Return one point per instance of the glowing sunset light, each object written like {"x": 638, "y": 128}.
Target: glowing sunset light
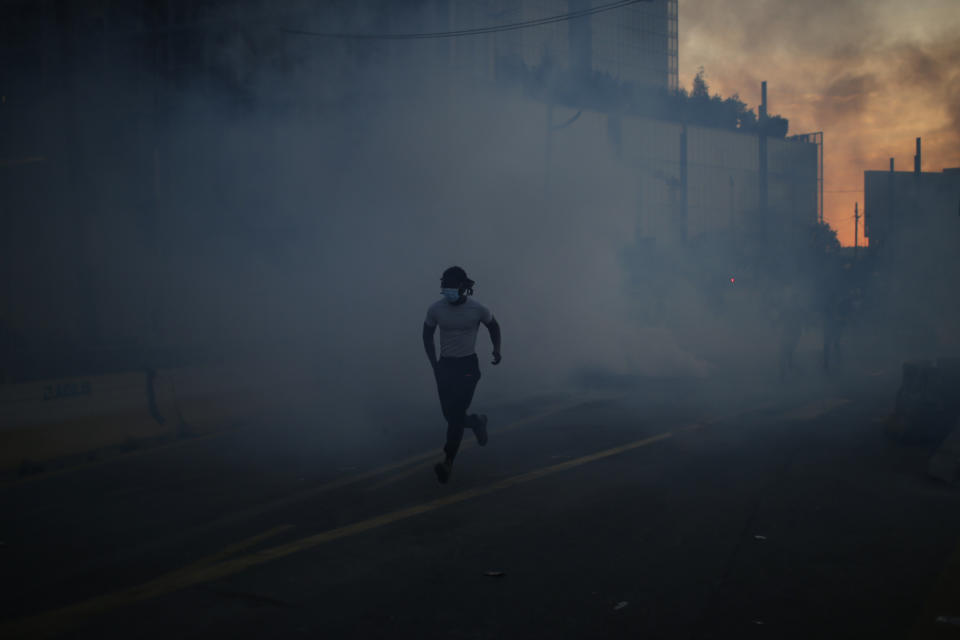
{"x": 872, "y": 75}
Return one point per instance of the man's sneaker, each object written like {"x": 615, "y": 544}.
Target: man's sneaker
{"x": 442, "y": 470}
{"x": 481, "y": 429}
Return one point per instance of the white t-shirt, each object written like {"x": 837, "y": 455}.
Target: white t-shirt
{"x": 458, "y": 325}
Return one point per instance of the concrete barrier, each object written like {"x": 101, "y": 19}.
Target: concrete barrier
{"x": 60, "y": 418}
{"x": 57, "y": 419}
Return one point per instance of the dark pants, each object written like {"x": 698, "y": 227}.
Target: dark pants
{"x": 456, "y": 380}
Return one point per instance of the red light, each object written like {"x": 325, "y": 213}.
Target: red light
{"x": 733, "y": 280}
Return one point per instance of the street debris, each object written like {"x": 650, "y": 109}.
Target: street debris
{"x": 494, "y": 574}
{"x": 954, "y": 620}
{"x": 759, "y": 537}
{"x": 620, "y": 605}
{"x": 758, "y": 622}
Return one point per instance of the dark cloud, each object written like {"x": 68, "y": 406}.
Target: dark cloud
{"x": 931, "y": 70}
{"x": 766, "y": 26}
{"x": 953, "y": 107}
{"x": 870, "y": 75}
{"x": 919, "y": 66}
{"x": 846, "y": 96}
{"x": 857, "y": 56}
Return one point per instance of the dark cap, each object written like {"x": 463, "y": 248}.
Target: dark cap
{"x": 456, "y": 276}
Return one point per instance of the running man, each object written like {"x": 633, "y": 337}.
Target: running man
{"x": 458, "y": 370}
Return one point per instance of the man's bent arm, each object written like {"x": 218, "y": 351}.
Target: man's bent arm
{"x": 428, "y": 344}
{"x": 494, "y": 328}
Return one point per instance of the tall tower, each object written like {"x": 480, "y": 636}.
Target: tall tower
{"x": 633, "y": 45}
{"x": 636, "y": 44}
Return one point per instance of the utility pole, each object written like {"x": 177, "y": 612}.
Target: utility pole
{"x": 684, "y": 204}
{"x": 762, "y": 162}
{"x": 856, "y": 229}
{"x": 548, "y": 148}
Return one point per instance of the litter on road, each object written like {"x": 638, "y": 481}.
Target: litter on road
{"x": 620, "y": 605}
{"x": 494, "y": 574}
{"x": 759, "y": 537}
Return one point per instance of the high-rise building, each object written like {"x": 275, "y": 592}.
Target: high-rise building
{"x": 633, "y": 45}
{"x": 636, "y": 44}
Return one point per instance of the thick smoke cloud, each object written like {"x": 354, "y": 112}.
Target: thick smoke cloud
{"x": 846, "y": 98}
{"x": 312, "y": 238}
{"x": 871, "y": 75}
{"x": 932, "y": 70}
{"x": 293, "y": 201}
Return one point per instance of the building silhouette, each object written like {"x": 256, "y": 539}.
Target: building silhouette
{"x": 105, "y": 102}
{"x": 912, "y": 220}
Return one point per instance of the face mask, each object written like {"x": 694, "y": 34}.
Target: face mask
{"x": 452, "y": 295}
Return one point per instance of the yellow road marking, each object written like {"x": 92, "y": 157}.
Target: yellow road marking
{"x": 61, "y": 620}
{"x": 207, "y": 570}
{"x": 366, "y": 475}
{"x": 469, "y": 444}
{"x": 300, "y": 496}
{"x": 243, "y": 545}
{"x": 337, "y": 483}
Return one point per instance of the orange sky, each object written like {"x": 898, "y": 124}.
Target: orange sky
{"x": 871, "y": 74}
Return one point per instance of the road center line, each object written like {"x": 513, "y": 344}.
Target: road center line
{"x": 243, "y": 545}
{"x": 337, "y": 483}
{"x": 61, "y": 620}
{"x": 346, "y": 481}
{"x": 466, "y": 445}
{"x": 64, "y": 619}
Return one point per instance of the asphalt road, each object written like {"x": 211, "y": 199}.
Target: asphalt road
{"x": 654, "y": 510}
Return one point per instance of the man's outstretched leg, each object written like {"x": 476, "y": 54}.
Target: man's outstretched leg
{"x": 457, "y": 381}
{"x": 454, "y": 437}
